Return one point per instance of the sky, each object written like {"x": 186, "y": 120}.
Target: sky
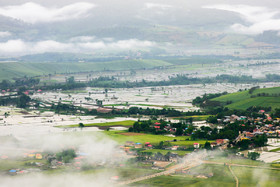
{"x": 40, "y": 26}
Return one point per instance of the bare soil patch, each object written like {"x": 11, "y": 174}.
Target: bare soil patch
{"x": 132, "y": 134}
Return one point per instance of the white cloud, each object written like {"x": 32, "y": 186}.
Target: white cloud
{"x": 5, "y": 34}
{"x": 130, "y": 44}
{"x": 82, "y": 39}
{"x": 159, "y": 6}
{"x": 20, "y": 47}
{"x": 50, "y": 46}
{"x": 260, "y": 18}
{"x": 12, "y": 46}
{"x": 34, "y": 13}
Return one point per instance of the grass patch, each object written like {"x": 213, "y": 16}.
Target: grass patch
{"x": 127, "y": 123}
{"x": 195, "y": 118}
{"x": 275, "y": 150}
{"x": 242, "y": 100}
{"x": 121, "y": 137}
{"x": 190, "y": 143}
{"x": 256, "y": 177}
{"x": 238, "y": 161}
{"x": 221, "y": 177}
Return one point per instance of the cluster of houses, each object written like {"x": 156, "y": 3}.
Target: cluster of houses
{"x": 222, "y": 143}
{"x": 264, "y": 125}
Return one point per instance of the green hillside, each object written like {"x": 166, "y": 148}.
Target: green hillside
{"x": 10, "y": 70}
{"x": 265, "y": 97}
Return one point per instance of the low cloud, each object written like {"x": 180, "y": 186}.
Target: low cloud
{"x": 259, "y": 19}
{"x": 34, "y": 13}
{"x": 76, "y": 45}
{"x": 97, "y": 148}
{"x": 5, "y": 34}
{"x": 82, "y": 39}
{"x": 12, "y": 46}
{"x": 158, "y": 6}
{"x": 58, "y": 180}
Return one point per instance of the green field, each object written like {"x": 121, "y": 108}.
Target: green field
{"x": 195, "y": 118}
{"x": 242, "y": 100}
{"x": 10, "y": 70}
{"x": 221, "y": 177}
{"x": 238, "y": 161}
{"x": 248, "y": 177}
{"x": 122, "y": 136}
{"x": 251, "y": 177}
{"x": 126, "y": 123}
{"x": 275, "y": 150}
{"x": 125, "y": 173}
{"x": 20, "y": 163}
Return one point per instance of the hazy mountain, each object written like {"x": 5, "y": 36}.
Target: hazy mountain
{"x": 31, "y": 27}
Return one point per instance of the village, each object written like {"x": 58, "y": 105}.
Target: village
{"x": 149, "y": 134}
{"x": 142, "y": 131}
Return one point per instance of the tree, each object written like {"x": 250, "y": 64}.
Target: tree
{"x": 244, "y": 144}
{"x": 260, "y": 141}
{"x": 207, "y": 145}
{"x": 70, "y": 80}
{"x": 23, "y": 100}
{"x": 160, "y": 145}
{"x": 253, "y": 155}
{"x": 149, "y": 155}
{"x": 167, "y": 156}
{"x": 179, "y": 131}
{"x": 66, "y": 156}
{"x": 81, "y": 125}
{"x": 212, "y": 119}
{"x": 158, "y": 156}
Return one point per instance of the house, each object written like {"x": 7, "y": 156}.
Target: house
{"x": 261, "y": 111}
{"x": 213, "y": 144}
{"x": 31, "y": 155}
{"x": 138, "y": 145}
{"x": 249, "y": 135}
{"x": 196, "y": 145}
{"x": 234, "y": 117}
{"x": 38, "y": 156}
{"x": 174, "y": 148}
{"x": 129, "y": 143}
{"x": 220, "y": 141}
{"x": 148, "y": 144}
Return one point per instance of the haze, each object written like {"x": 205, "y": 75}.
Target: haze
{"x": 95, "y": 27}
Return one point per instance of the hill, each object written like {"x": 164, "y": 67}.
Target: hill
{"x": 265, "y": 97}
{"x": 11, "y": 70}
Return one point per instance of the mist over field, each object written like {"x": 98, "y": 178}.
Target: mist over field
{"x": 139, "y": 93}
{"x": 95, "y": 148}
